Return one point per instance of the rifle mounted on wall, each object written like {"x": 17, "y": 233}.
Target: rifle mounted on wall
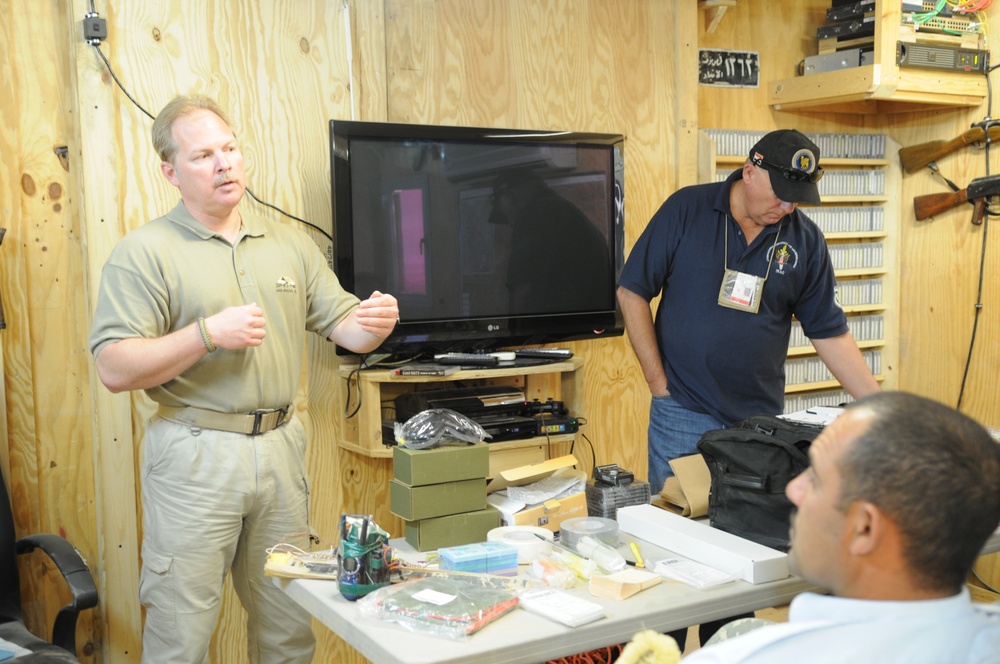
{"x": 919, "y": 156}
{"x": 978, "y": 191}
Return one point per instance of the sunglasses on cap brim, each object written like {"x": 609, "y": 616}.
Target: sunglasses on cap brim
{"x": 793, "y": 174}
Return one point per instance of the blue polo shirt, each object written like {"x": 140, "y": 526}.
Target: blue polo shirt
{"x": 725, "y": 362}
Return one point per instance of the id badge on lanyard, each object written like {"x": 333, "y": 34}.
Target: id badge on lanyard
{"x": 740, "y": 290}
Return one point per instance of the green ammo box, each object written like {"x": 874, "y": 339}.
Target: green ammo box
{"x": 452, "y": 530}
{"x": 425, "y": 502}
{"x": 440, "y": 464}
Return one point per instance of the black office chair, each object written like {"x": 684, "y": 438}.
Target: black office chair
{"x": 73, "y": 569}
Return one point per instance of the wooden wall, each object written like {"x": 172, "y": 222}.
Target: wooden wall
{"x": 79, "y": 172}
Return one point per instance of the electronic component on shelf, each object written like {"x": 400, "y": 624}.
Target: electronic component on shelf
{"x": 852, "y": 29}
{"x": 824, "y": 62}
{"x": 948, "y": 58}
{"x": 549, "y": 406}
{"x": 851, "y": 10}
{"x": 553, "y": 426}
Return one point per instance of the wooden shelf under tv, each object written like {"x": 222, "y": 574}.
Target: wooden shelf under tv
{"x": 368, "y": 391}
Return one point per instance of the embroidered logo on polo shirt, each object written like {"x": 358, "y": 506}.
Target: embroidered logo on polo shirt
{"x": 785, "y": 257}
{"x": 285, "y": 285}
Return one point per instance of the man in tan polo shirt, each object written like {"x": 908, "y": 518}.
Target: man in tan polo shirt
{"x": 207, "y": 310}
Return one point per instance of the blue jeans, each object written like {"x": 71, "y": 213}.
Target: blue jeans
{"x": 674, "y": 432}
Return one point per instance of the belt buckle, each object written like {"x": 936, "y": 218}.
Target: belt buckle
{"x": 267, "y": 419}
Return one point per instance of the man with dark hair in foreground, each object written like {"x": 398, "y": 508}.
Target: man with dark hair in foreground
{"x": 900, "y": 497}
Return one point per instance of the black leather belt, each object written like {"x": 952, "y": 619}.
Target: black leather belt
{"x": 251, "y": 424}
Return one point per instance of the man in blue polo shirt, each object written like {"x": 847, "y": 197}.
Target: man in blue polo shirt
{"x": 733, "y": 262}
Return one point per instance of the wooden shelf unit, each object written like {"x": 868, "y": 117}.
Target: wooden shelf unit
{"x": 709, "y": 163}
{"x": 371, "y": 392}
{"x": 881, "y": 87}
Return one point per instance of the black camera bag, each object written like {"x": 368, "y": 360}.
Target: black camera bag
{"x": 751, "y": 462}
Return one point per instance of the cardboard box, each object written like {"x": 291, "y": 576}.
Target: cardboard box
{"x": 450, "y": 463}
{"x": 528, "y": 474}
{"x": 700, "y": 542}
{"x": 548, "y": 514}
{"x": 452, "y": 530}
{"x": 425, "y": 502}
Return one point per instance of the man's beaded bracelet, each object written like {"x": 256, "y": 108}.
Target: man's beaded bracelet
{"x": 205, "y": 336}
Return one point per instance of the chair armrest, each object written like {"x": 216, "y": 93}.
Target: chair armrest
{"x": 74, "y": 570}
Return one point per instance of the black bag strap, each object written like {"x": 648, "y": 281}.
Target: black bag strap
{"x": 765, "y": 484}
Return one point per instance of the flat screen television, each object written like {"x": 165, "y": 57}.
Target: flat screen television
{"x": 488, "y": 238}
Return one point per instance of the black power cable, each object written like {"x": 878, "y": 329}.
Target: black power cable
{"x": 246, "y": 188}
{"x": 985, "y": 124}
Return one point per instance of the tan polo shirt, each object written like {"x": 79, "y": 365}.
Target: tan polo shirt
{"x": 169, "y": 272}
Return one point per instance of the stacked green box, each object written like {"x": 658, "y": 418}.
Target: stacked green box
{"x": 453, "y": 530}
{"x": 425, "y": 502}
{"x": 441, "y": 494}
{"x": 450, "y": 463}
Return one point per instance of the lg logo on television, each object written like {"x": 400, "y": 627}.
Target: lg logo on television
{"x": 493, "y": 328}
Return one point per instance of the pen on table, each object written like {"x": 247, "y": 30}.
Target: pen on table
{"x": 639, "y": 562}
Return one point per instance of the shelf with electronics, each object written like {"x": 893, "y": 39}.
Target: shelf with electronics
{"x": 371, "y": 393}
{"x": 867, "y": 260}
{"x": 883, "y": 86}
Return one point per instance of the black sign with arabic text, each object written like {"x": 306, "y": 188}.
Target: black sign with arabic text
{"x": 734, "y": 69}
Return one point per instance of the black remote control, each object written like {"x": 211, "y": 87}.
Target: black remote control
{"x": 468, "y": 359}
{"x": 546, "y": 353}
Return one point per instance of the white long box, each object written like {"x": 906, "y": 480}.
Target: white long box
{"x": 700, "y": 542}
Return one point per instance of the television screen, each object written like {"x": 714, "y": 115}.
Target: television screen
{"x": 489, "y": 238}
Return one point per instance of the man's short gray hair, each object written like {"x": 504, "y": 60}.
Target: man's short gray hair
{"x": 178, "y": 107}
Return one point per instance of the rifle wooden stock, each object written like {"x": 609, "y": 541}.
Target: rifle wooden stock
{"x": 929, "y": 205}
{"x": 918, "y": 156}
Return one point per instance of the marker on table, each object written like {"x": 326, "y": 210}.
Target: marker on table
{"x": 639, "y": 562}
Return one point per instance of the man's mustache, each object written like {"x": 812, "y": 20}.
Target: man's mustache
{"x": 225, "y": 178}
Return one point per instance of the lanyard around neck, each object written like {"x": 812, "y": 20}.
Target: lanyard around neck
{"x": 725, "y": 257}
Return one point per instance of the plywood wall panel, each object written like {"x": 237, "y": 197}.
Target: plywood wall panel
{"x": 51, "y": 469}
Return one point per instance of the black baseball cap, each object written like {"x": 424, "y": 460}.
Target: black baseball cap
{"x": 792, "y": 162}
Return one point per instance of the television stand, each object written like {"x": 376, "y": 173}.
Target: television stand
{"x": 369, "y": 389}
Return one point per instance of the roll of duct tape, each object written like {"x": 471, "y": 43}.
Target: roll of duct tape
{"x": 529, "y": 541}
{"x": 604, "y": 530}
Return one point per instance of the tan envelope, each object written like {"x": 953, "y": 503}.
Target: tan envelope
{"x": 686, "y": 493}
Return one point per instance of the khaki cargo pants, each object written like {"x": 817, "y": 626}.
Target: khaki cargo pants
{"x": 214, "y": 502}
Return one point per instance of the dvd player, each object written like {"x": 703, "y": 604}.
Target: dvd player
{"x": 473, "y": 402}
{"x": 507, "y": 427}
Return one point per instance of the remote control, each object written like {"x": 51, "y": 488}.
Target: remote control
{"x": 547, "y": 353}
{"x": 468, "y": 359}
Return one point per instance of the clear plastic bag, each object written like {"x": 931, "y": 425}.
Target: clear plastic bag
{"x": 560, "y": 484}
{"x": 438, "y": 426}
{"x": 552, "y": 572}
{"x": 452, "y": 607}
